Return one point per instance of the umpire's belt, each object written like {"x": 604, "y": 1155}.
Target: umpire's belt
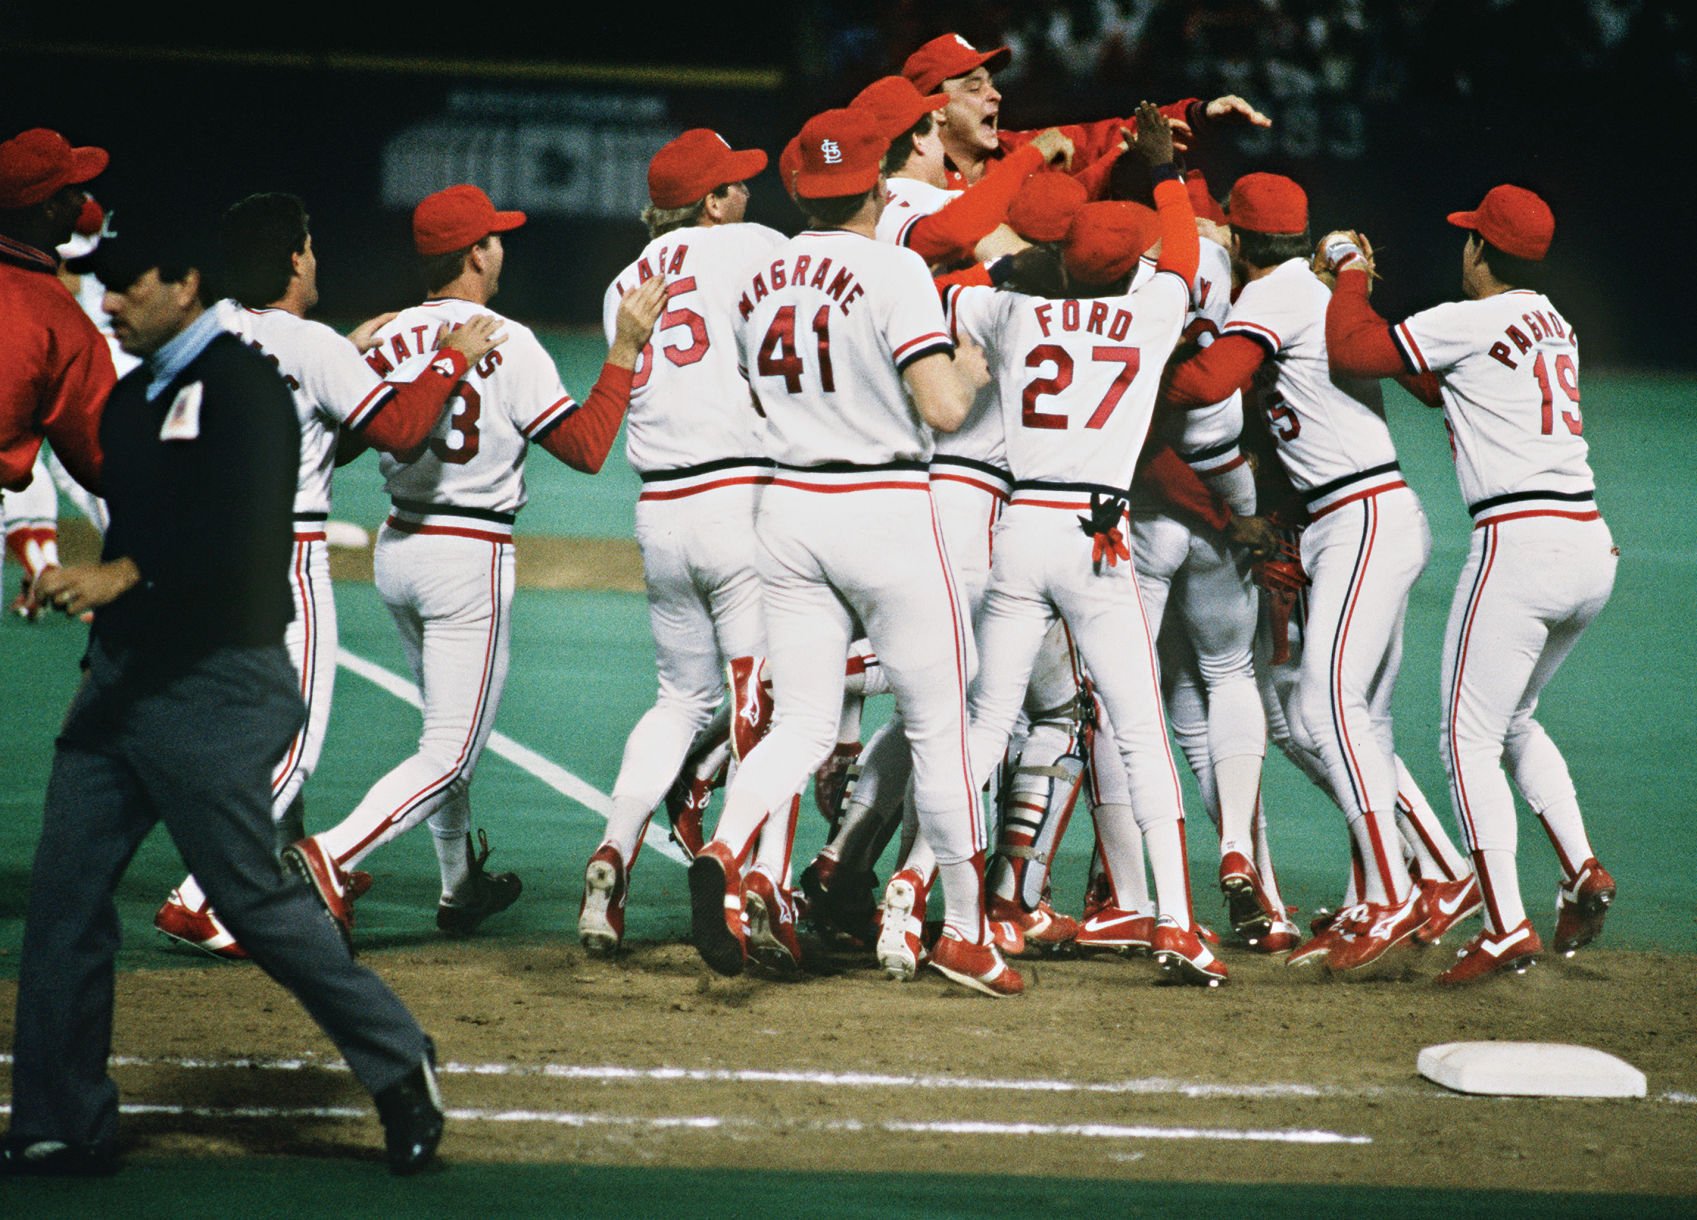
{"x": 1352, "y": 487}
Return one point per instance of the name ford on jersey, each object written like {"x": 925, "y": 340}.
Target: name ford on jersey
{"x": 1073, "y": 317}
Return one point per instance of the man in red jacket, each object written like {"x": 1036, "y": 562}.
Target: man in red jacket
{"x": 58, "y": 370}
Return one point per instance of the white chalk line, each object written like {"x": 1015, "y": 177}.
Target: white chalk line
{"x": 1149, "y": 1086}
{"x": 719, "y": 1122}
{"x": 521, "y": 756}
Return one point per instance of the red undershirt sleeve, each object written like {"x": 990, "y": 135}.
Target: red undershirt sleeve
{"x": 1181, "y": 248}
{"x": 412, "y": 411}
{"x": 1214, "y": 372}
{"x": 583, "y": 438}
{"x": 1167, "y": 475}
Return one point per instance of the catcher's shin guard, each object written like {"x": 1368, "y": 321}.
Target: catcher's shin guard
{"x": 1039, "y": 806}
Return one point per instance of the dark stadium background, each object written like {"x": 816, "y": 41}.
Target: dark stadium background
{"x": 1391, "y": 113}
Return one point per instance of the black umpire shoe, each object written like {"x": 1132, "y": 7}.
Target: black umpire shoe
{"x": 411, "y": 1110}
{"x": 23, "y": 1157}
{"x": 488, "y": 894}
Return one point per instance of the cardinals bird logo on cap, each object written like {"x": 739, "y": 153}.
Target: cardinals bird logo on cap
{"x": 833, "y": 152}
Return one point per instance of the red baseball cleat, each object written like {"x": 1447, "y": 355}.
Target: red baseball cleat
{"x": 1184, "y": 957}
{"x": 901, "y": 929}
{"x": 1379, "y": 928}
{"x": 601, "y": 917}
{"x": 1044, "y": 930}
{"x": 1447, "y": 904}
{"x": 979, "y": 967}
{"x": 1581, "y": 905}
{"x": 329, "y": 884}
{"x": 1112, "y": 930}
{"x": 771, "y": 924}
{"x": 715, "y": 905}
{"x": 1487, "y": 954}
{"x": 198, "y": 930}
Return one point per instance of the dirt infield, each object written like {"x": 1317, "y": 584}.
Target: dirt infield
{"x": 1279, "y": 1077}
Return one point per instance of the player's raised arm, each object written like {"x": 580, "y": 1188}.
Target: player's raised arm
{"x": 583, "y": 438}
{"x": 1181, "y": 249}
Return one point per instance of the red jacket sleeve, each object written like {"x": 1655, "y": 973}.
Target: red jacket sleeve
{"x": 70, "y": 418}
{"x": 1164, "y": 473}
{"x": 415, "y": 406}
{"x": 1214, "y": 372}
{"x": 583, "y": 438}
{"x": 1181, "y": 249}
{"x": 950, "y": 234}
{"x": 1096, "y": 146}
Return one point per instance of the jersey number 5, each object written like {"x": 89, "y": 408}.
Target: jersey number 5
{"x": 780, "y": 357}
{"x": 1128, "y": 358}
{"x": 680, "y": 354}
{"x": 1567, "y": 377}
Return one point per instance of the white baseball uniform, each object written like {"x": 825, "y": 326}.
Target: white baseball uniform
{"x": 1367, "y": 543}
{"x": 698, "y": 444}
{"x": 444, "y": 565}
{"x": 1206, "y": 581}
{"x": 1078, "y": 380}
{"x": 1540, "y": 566}
{"x": 848, "y": 535}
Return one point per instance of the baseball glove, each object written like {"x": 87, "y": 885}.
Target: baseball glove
{"x": 1341, "y": 247}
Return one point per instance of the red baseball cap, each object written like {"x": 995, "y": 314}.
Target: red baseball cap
{"x": 896, "y": 104}
{"x": 948, "y": 56}
{"x": 789, "y": 164}
{"x": 38, "y": 162}
{"x": 1512, "y": 219}
{"x": 697, "y": 163}
{"x": 841, "y": 153}
{"x": 1267, "y": 203}
{"x": 457, "y": 217}
{"x": 1107, "y": 238}
{"x": 1045, "y": 206}
{"x": 1202, "y": 200}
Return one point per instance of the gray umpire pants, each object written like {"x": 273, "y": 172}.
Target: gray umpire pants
{"x": 193, "y": 747}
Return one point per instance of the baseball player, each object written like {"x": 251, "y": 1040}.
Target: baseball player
{"x": 272, "y": 270}
{"x": 444, "y": 560}
{"x": 699, "y": 447}
{"x": 1365, "y": 546}
{"x": 1079, "y": 380}
{"x": 1541, "y": 561}
{"x": 972, "y": 135}
{"x": 838, "y": 331}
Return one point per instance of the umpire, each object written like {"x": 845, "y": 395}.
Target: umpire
{"x": 187, "y": 700}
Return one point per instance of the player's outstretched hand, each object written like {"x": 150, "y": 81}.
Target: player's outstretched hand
{"x": 639, "y": 309}
{"x": 1233, "y": 109}
{"x": 1253, "y": 534}
{"x": 1056, "y": 147}
{"x": 1154, "y": 138}
{"x": 476, "y": 339}
{"x": 364, "y": 336}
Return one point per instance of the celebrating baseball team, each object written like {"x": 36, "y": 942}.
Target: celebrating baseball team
{"x": 1025, "y": 429}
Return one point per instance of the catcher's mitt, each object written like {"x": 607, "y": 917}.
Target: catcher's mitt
{"x": 1340, "y": 248}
